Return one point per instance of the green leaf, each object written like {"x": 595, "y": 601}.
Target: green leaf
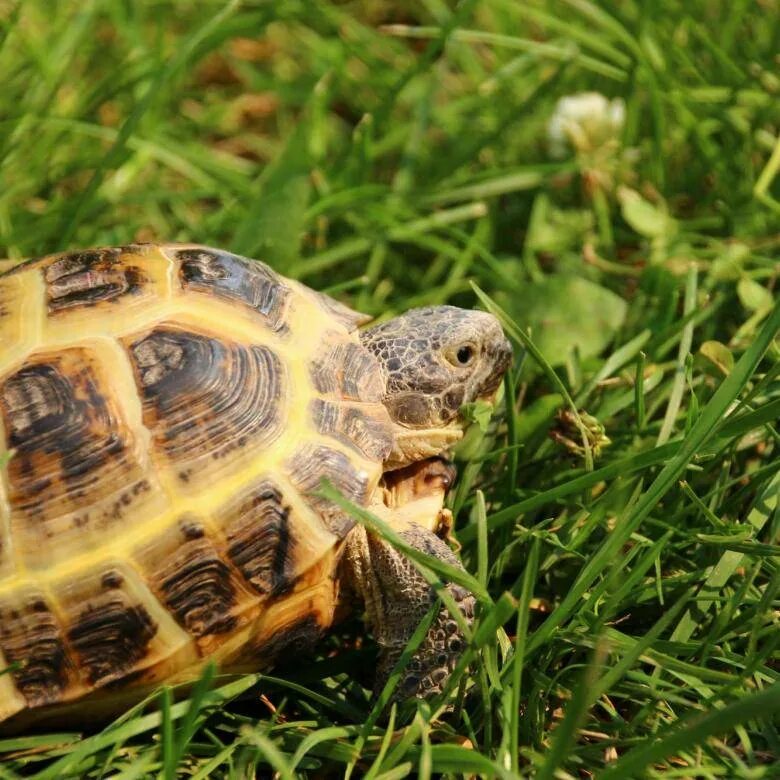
{"x": 272, "y": 227}
{"x": 564, "y": 313}
{"x": 753, "y": 296}
{"x": 648, "y": 220}
{"x": 478, "y": 412}
{"x": 719, "y": 354}
{"x": 728, "y": 265}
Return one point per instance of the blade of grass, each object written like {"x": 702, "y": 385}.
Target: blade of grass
{"x": 167, "y": 743}
{"x": 678, "y": 387}
{"x": 270, "y": 752}
{"x": 765, "y": 505}
{"x": 694, "y": 731}
{"x": 427, "y": 564}
{"x": 548, "y": 370}
{"x": 115, "y": 153}
{"x": 521, "y": 635}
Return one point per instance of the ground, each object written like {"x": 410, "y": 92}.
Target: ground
{"x": 604, "y": 176}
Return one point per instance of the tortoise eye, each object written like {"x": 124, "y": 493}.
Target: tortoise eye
{"x": 464, "y": 355}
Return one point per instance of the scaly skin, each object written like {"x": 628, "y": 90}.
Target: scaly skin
{"x": 433, "y": 361}
{"x": 397, "y": 597}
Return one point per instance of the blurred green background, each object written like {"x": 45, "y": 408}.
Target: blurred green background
{"x": 403, "y": 148}
{"x": 608, "y": 174}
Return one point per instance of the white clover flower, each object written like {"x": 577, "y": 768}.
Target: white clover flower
{"x": 584, "y": 123}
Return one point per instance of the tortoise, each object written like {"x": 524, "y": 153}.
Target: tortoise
{"x": 171, "y": 412}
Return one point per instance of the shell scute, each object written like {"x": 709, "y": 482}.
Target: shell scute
{"x": 114, "y": 627}
{"x": 110, "y": 635}
{"x": 312, "y": 464}
{"x": 346, "y": 371}
{"x": 204, "y": 397}
{"x": 259, "y": 538}
{"x": 32, "y": 644}
{"x": 75, "y": 467}
{"x": 363, "y": 428}
{"x": 237, "y": 279}
{"x": 189, "y": 576}
{"x": 87, "y": 278}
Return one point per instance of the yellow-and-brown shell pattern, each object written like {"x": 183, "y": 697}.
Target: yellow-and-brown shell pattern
{"x": 172, "y": 411}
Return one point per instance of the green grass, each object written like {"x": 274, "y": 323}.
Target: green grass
{"x": 396, "y": 155}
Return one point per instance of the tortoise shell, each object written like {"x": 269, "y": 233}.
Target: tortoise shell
{"x": 172, "y": 410}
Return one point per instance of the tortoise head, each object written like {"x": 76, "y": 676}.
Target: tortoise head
{"x": 434, "y": 360}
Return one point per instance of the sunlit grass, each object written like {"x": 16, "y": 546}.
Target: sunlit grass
{"x": 398, "y": 155}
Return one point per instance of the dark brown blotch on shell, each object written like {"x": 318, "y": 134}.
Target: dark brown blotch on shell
{"x": 205, "y": 397}
{"x": 8, "y": 296}
{"x": 111, "y": 579}
{"x": 236, "y": 278}
{"x": 88, "y": 278}
{"x": 110, "y": 636}
{"x": 293, "y": 640}
{"x": 310, "y": 465}
{"x": 32, "y": 644}
{"x": 71, "y": 445}
{"x": 368, "y": 432}
{"x": 260, "y": 545}
{"x": 196, "y": 584}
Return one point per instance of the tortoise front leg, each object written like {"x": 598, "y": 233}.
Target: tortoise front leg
{"x": 397, "y": 597}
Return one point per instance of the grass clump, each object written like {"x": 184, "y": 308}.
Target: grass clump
{"x": 603, "y": 176}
